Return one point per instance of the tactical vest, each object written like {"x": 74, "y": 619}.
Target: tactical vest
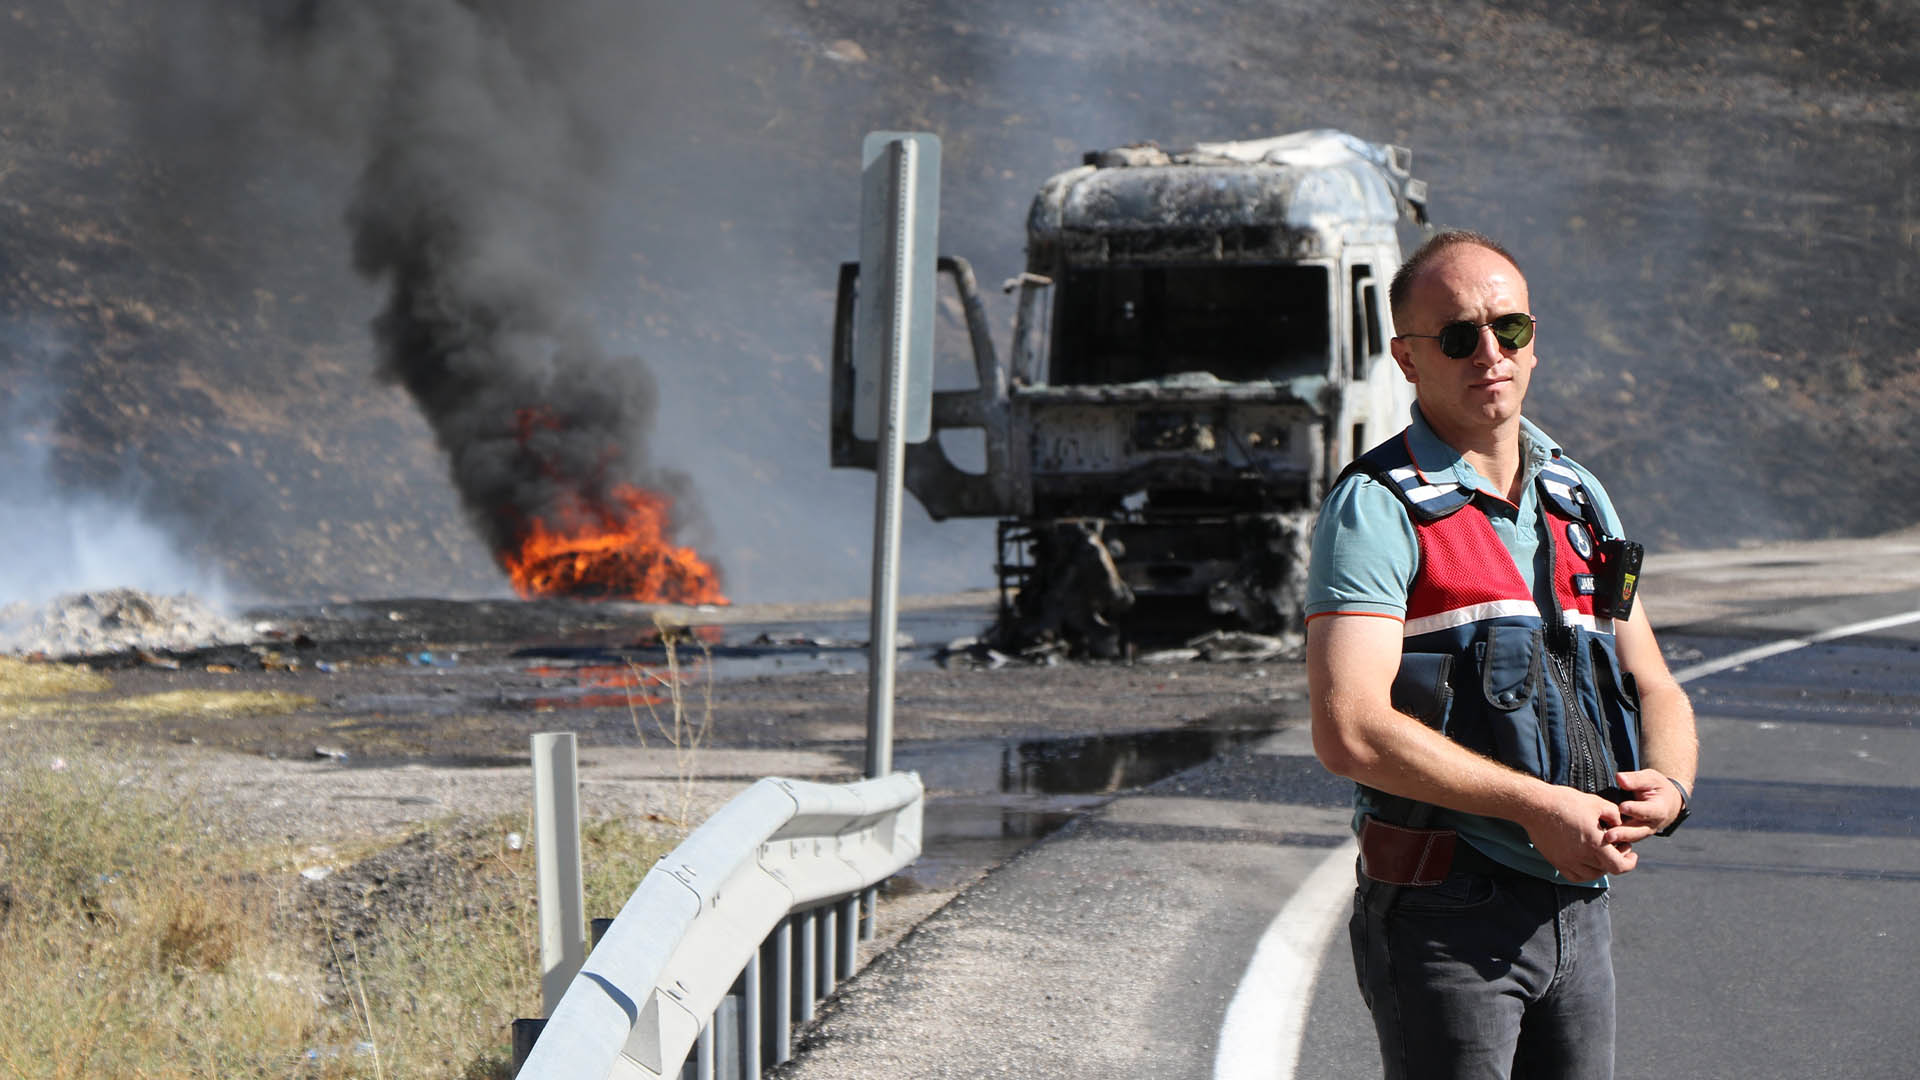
{"x": 1540, "y": 691}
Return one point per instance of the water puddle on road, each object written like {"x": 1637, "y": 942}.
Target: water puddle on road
{"x": 989, "y": 798}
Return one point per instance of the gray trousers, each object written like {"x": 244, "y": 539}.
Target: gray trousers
{"x": 1507, "y": 977}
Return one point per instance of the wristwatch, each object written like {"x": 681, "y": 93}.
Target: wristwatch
{"x": 1685, "y": 800}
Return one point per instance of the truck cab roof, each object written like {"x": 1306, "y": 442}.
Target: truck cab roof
{"x": 1288, "y": 197}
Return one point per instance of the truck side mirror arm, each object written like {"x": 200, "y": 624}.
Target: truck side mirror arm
{"x": 942, "y": 488}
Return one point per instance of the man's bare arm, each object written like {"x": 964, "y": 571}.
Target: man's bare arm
{"x": 1351, "y": 662}
{"x": 1669, "y": 745}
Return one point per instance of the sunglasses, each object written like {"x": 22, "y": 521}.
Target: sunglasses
{"x": 1460, "y": 339}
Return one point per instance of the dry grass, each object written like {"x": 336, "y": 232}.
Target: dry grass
{"x": 30, "y": 689}
{"x": 434, "y": 992}
{"x": 25, "y": 681}
{"x": 682, "y": 730}
{"x": 139, "y": 943}
{"x": 213, "y": 702}
{"x": 136, "y": 945}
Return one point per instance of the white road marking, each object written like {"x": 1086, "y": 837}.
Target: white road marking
{"x": 1262, "y": 1032}
{"x": 1267, "y": 1019}
{"x": 1761, "y": 652}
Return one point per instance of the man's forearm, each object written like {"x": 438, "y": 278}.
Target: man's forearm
{"x": 1397, "y": 754}
{"x": 1357, "y": 733}
{"x": 1668, "y": 741}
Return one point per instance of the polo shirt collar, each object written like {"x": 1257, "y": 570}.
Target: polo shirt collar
{"x": 1439, "y": 463}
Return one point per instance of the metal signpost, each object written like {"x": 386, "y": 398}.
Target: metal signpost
{"x": 893, "y": 372}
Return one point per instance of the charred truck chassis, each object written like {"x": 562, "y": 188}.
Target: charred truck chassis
{"x": 1199, "y": 348}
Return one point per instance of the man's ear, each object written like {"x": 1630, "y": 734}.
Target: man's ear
{"x": 1403, "y": 355}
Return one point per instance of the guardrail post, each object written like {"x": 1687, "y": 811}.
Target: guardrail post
{"x": 703, "y": 1053}
{"x": 779, "y": 992}
{"x": 829, "y": 949}
{"x": 748, "y": 1032}
{"x": 808, "y": 936}
{"x": 869, "y": 914}
{"x": 849, "y": 936}
{"x": 726, "y": 1039}
{"x": 562, "y": 894}
{"x": 526, "y": 1032}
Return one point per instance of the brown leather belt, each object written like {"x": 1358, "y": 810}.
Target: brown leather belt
{"x": 1397, "y": 855}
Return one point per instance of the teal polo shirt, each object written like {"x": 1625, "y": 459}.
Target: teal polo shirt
{"x": 1365, "y": 555}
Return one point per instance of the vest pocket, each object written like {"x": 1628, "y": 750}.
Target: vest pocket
{"x": 1619, "y": 704}
{"x": 1510, "y": 683}
{"x": 1421, "y": 688}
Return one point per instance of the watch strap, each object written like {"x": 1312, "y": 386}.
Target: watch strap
{"x": 1686, "y": 807}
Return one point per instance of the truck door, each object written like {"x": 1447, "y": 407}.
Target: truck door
{"x": 1364, "y": 346}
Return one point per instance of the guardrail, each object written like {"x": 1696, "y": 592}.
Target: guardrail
{"x": 734, "y": 936}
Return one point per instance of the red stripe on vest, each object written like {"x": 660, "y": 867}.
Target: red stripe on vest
{"x": 1569, "y": 563}
{"x": 1463, "y": 563}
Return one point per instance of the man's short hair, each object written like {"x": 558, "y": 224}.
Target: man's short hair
{"x": 1399, "y": 291}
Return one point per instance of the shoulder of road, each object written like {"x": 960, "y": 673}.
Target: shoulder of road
{"x": 1103, "y": 949}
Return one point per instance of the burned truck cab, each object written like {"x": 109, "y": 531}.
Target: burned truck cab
{"x": 1200, "y": 346}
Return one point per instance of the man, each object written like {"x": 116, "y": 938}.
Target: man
{"x": 1473, "y": 655}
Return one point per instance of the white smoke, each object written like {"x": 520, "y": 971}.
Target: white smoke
{"x": 60, "y": 541}
{"x": 86, "y": 544}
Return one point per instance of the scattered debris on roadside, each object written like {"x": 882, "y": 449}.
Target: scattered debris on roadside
{"x": 771, "y": 640}
{"x": 1214, "y": 646}
{"x": 972, "y": 652}
{"x": 1168, "y": 656}
{"x": 116, "y": 621}
{"x": 1218, "y": 646}
{"x": 164, "y": 663}
{"x": 980, "y": 654}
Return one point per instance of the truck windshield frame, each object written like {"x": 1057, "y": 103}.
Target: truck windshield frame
{"x": 1237, "y": 322}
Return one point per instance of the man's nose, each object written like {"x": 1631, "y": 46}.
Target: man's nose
{"x": 1487, "y": 351}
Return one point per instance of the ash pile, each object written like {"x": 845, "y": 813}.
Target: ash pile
{"x": 115, "y": 621}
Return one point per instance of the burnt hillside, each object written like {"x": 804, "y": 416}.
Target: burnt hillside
{"x": 1717, "y": 205}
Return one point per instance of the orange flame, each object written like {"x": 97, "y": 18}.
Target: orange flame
{"x": 611, "y": 552}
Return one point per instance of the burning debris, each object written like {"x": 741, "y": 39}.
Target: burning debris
{"x": 115, "y": 621}
{"x": 488, "y": 148}
{"x": 611, "y": 551}
{"x": 592, "y": 544}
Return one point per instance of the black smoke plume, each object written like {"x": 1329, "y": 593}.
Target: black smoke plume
{"x": 489, "y": 158}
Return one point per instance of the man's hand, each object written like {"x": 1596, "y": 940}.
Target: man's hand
{"x": 1583, "y": 835}
{"x": 1654, "y": 802}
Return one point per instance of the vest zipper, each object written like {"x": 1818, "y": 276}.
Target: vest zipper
{"x": 1584, "y": 758}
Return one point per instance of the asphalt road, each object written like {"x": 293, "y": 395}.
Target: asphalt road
{"x": 1773, "y": 936}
